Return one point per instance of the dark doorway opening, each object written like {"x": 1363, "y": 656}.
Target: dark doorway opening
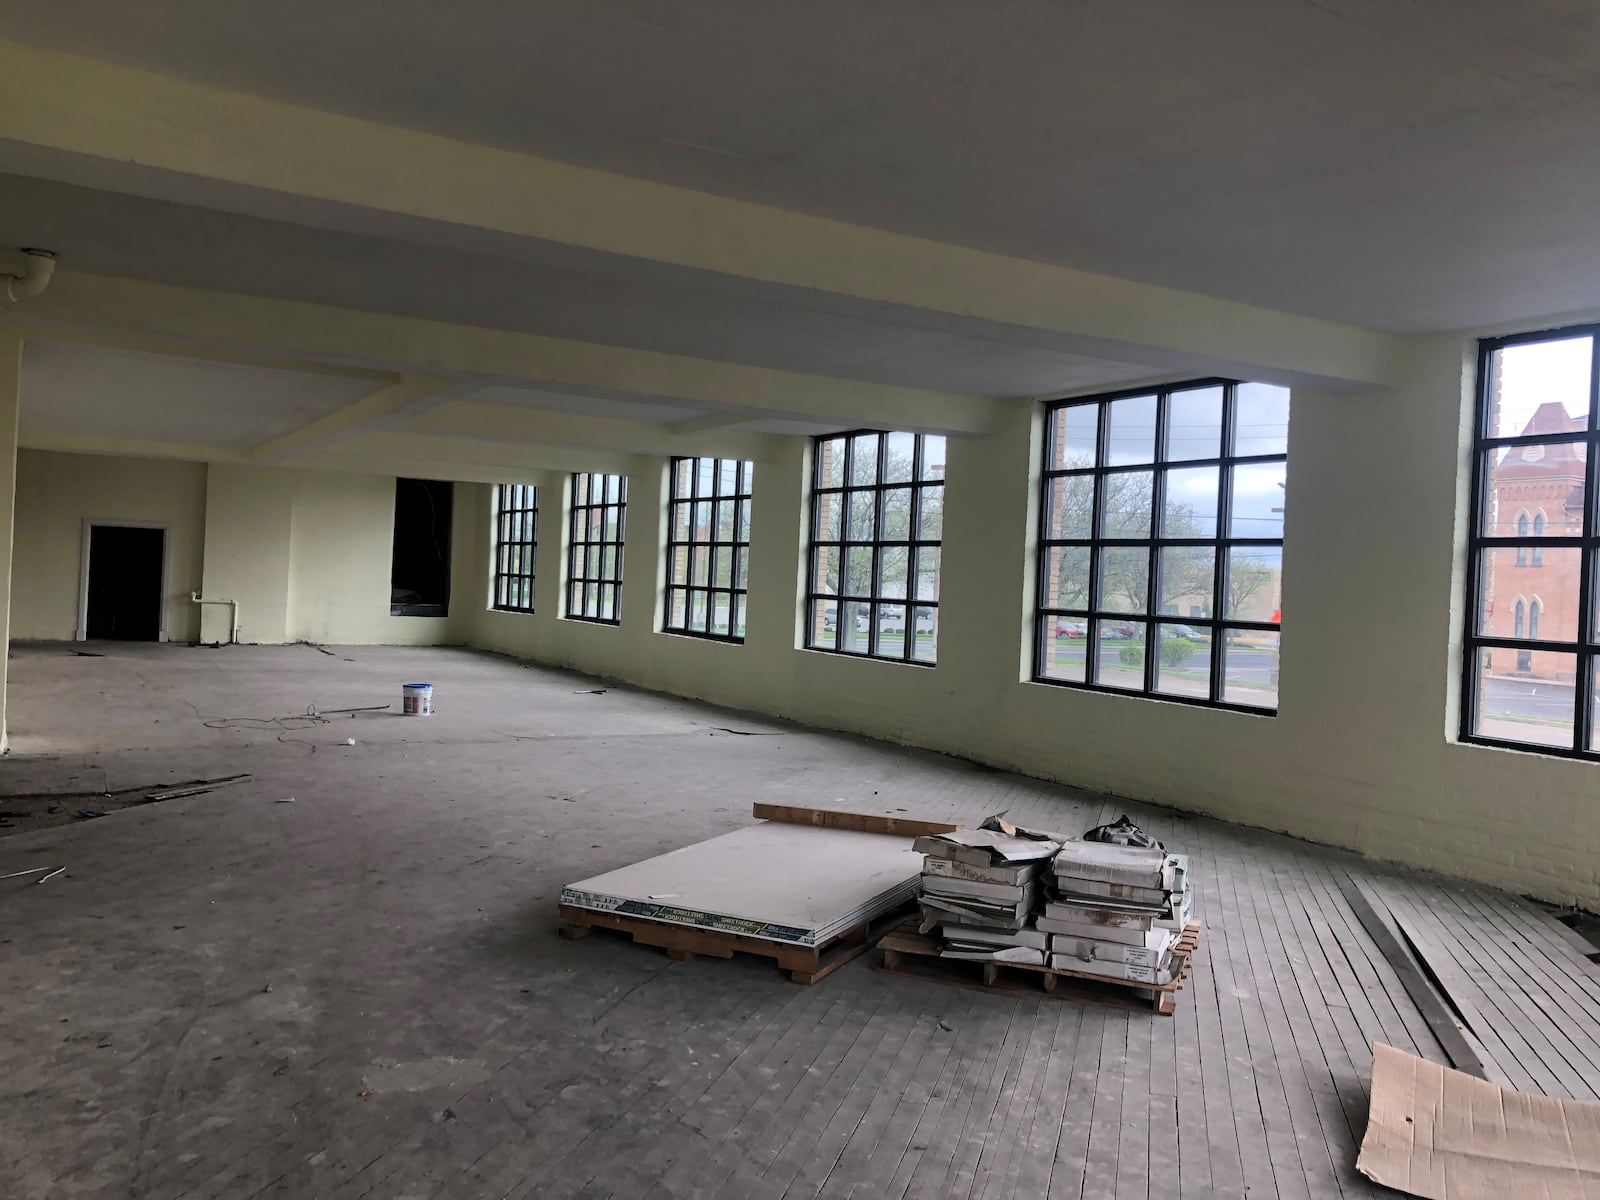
{"x": 124, "y": 601}
{"x": 419, "y": 577}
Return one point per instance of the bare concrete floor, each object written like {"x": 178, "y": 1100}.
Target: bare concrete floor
{"x": 361, "y": 994}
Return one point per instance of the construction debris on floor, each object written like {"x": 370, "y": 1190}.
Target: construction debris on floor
{"x": 1117, "y": 911}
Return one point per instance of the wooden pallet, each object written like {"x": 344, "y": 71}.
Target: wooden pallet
{"x": 805, "y": 964}
{"x": 908, "y": 952}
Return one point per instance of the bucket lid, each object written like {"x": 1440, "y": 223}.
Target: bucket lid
{"x": 416, "y": 685}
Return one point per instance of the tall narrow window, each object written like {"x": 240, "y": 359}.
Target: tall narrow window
{"x": 708, "y": 547}
{"x": 594, "y": 547}
{"x": 516, "y": 540}
{"x": 1531, "y": 666}
{"x": 877, "y": 524}
{"x": 1161, "y": 543}
{"x": 419, "y": 563}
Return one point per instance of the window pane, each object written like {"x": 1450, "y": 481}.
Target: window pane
{"x": 741, "y": 568}
{"x": 1260, "y": 419}
{"x": 743, "y": 515}
{"x": 858, "y": 571}
{"x": 675, "y": 609}
{"x": 825, "y": 569}
{"x": 1194, "y": 424}
{"x": 863, "y": 519}
{"x": 1189, "y": 509}
{"x": 725, "y": 520}
{"x": 830, "y": 507}
{"x": 1527, "y": 695}
{"x": 738, "y": 619}
{"x": 892, "y": 630}
{"x": 864, "y": 458}
{"x": 700, "y": 566}
{"x": 933, "y": 450}
{"x": 1257, "y": 501}
{"x": 830, "y": 462}
{"x": 1065, "y": 649}
{"x": 1064, "y": 583}
{"x": 1131, "y": 431}
{"x": 722, "y": 568}
{"x": 1547, "y": 591}
{"x": 926, "y": 647}
{"x": 680, "y": 523}
{"x": 854, "y": 623}
{"x": 1255, "y": 575}
{"x": 1249, "y": 667}
{"x": 1183, "y": 663}
{"x": 1188, "y": 580}
{"x": 1537, "y": 385}
{"x": 899, "y": 463}
{"x": 1541, "y": 479}
{"x": 1070, "y": 506}
{"x": 1124, "y": 579}
{"x": 896, "y": 515}
{"x": 1125, "y": 504}
{"x": 1119, "y": 655}
{"x": 727, "y": 476}
{"x": 1074, "y": 430}
{"x": 894, "y": 565}
{"x": 930, "y": 516}
{"x": 720, "y": 614}
{"x": 927, "y": 572}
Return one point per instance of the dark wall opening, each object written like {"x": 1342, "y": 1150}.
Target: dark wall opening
{"x": 419, "y": 576}
{"x": 124, "y": 583}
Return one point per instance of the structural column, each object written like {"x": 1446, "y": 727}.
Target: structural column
{"x": 10, "y": 400}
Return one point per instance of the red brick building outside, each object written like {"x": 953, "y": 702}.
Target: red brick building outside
{"x": 1535, "y": 490}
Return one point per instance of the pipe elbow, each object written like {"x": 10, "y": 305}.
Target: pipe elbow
{"x": 39, "y": 268}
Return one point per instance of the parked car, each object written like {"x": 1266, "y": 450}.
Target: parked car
{"x": 1071, "y": 629}
{"x": 1117, "y": 629}
{"x": 1184, "y": 631}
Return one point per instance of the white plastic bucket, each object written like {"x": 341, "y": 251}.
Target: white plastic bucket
{"x": 416, "y": 699}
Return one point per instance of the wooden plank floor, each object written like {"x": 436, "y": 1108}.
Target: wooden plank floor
{"x": 362, "y": 994}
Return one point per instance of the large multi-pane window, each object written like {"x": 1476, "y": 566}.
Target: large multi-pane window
{"x": 594, "y": 547}
{"x": 708, "y": 547}
{"x": 1161, "y": 543}
{"x": 877, "y": 521}
{"x": 1532, "y": 642}
{"x": 516, "y": 540}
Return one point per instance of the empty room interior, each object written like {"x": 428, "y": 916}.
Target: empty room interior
{"x": 671, "y": 600}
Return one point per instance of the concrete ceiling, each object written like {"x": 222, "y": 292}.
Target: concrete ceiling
{"x": 103, "y": 392}
{"x": 536, "y": 287}
{"x": 1410, "y": 166}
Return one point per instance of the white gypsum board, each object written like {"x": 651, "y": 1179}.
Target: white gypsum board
{"x": 802, "y": 876}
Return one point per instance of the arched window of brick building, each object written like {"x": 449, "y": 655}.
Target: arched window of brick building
{"x": 1538, "y": 553}
{"x": 1534, "y": 610}
{"x": 1522, "y": 613}
{"x": 1522, "y": 551}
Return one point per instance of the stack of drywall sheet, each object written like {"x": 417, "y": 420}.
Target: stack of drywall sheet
{"x": 786, "y": 883}
{"x": 980, "y": 888}
{"x": 1116, "y": 910}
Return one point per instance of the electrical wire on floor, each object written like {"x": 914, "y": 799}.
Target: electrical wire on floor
{"x": 310, "y": 719}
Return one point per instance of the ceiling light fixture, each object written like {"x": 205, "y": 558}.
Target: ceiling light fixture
{"x": 41, "y": 265}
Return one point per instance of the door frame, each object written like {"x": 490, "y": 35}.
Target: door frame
{"x": 81, "y": 633}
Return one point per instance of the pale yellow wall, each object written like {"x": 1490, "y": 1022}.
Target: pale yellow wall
{"x": 1363, "y": 752}
{"x": 56, "y": 493}
{"x": 305, "y": 553}
{"x": 341, "y": 545}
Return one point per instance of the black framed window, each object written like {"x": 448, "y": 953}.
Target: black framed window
{"x": 516, "y": 542}
{"x": 594, "y": 547}
{"x": 1161, "y": 543}
{"x": 877, "y": 524}
{"x": 708, "y": 547}
{"x": 1532, "y": 648}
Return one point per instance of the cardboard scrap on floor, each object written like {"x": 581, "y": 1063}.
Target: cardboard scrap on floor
{"x": 1445, "y": 1135}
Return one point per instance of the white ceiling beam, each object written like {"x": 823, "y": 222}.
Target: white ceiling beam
{"x": 89, "y": 443}
{"x": 373, "y": 341}
{"x": 121, "y": 129}
{"x": 716, "y": 420}
{"x": 401, "y": 398}
{"x": 500, "y": 423}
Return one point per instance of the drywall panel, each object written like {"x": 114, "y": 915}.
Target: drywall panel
{"x": 56, "y": 493}
{"x": 1362, "y": 753}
